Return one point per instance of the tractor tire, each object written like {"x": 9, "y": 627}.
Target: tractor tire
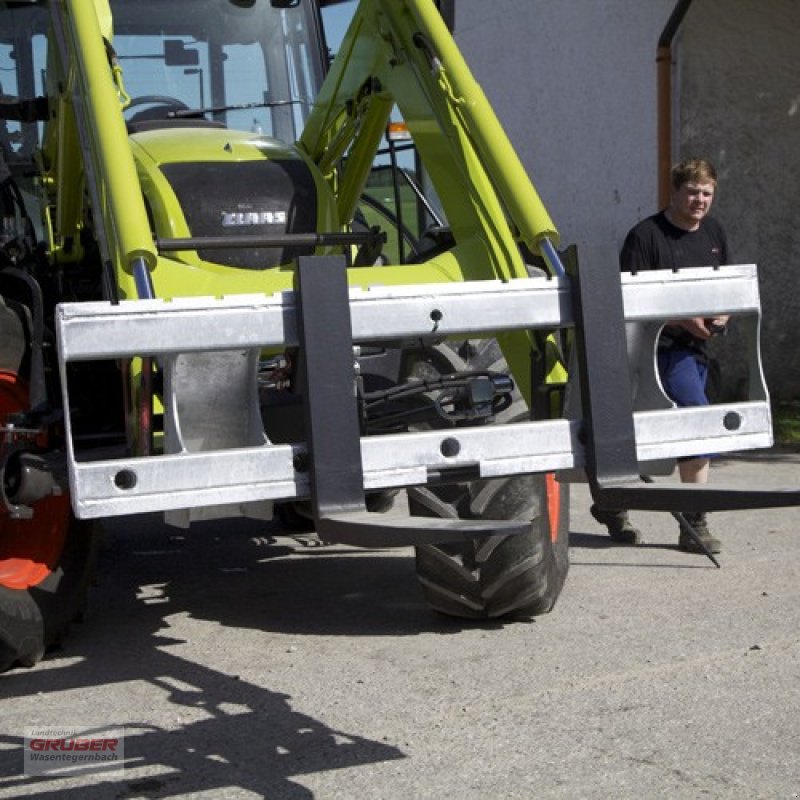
{"x": 491, "y": 577}
{"x": 46, "y": 566}
{"x": 47, "y": 561}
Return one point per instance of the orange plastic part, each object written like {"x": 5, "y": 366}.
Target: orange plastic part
{"x": 29, "y": 549}
{"x": 553, "y": 491}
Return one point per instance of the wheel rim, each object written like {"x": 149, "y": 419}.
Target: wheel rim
{"x": 29, "y": 550}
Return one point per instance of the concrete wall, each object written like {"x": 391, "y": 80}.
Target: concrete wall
{"x": 739, "y": 102}
{"x": 574, "y": 84}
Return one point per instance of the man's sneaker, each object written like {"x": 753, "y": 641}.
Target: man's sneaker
{"x": 699, "y": 523}
{"x": 618, "y": 524}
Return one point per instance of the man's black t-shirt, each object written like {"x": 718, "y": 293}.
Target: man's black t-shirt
{"x": 655, "y": 243}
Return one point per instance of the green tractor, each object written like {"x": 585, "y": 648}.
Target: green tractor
{"x": 226, "y": 290}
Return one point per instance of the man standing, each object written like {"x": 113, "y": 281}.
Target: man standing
{"x": 682, "y": 235}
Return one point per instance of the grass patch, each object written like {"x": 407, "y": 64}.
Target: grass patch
{"x": 786, "y": 422}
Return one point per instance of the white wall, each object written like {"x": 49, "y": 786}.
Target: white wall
{"x": 574, "y": 84}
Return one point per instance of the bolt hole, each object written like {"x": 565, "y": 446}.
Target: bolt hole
{"x": 125, "y": 479}
{"x": 732, "y": 421}
{"x": 450, "y": 448}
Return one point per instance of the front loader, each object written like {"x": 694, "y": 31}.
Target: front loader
{"x": 211, "y": 306}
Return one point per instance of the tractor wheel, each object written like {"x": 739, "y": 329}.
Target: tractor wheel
{"x": 46, "y": 563}
{"x": 493, "y": 576}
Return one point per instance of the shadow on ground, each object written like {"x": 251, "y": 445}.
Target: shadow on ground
{"x": 250, "y": 737}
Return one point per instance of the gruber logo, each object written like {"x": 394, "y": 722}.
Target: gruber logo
{"x": 66, "y": 749}
{"x": 73, "y": 744}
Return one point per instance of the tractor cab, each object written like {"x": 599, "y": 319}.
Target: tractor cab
{"x": 252, "y": 66}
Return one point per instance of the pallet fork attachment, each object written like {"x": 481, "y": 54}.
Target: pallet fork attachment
{"x": 612, "y": 467}
{"x": 336, "y": 473}
{"x": 607, "y": 440}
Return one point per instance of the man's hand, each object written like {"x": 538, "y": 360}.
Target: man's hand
{"x": 702, "y": 327}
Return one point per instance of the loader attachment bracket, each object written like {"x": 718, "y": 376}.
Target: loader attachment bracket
{"x": 336, "y": 478}
{"x": 608, "y": 430}
{"x": 243, "y": 471}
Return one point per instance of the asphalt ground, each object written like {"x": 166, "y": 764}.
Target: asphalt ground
{"x": 243, "y": 664}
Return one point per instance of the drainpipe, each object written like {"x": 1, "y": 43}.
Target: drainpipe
{"x": 664, "y": 72}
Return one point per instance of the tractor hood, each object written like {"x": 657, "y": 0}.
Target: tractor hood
{"x": 216, "y": 182}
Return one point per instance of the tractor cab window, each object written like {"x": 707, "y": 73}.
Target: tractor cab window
{"x": 23, "y": 48}
{"x": 245, "y": 65}
{"x": 398, "y": 197}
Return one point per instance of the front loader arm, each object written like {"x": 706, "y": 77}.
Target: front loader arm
{"x": 91, "y": 131}
{"x": 400, "y": 51}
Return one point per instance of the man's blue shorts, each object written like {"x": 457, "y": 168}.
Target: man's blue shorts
{"x": 683, "y": 376}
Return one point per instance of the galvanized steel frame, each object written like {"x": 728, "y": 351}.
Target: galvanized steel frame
{"x": 99, "y": 330}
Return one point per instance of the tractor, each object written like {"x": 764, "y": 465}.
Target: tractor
{"x": 242, "y": 277}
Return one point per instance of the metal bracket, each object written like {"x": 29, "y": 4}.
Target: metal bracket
{"x": 333, "y": 437}
{"x": 608, "y": 417}
{"x": 242, "y": 470}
